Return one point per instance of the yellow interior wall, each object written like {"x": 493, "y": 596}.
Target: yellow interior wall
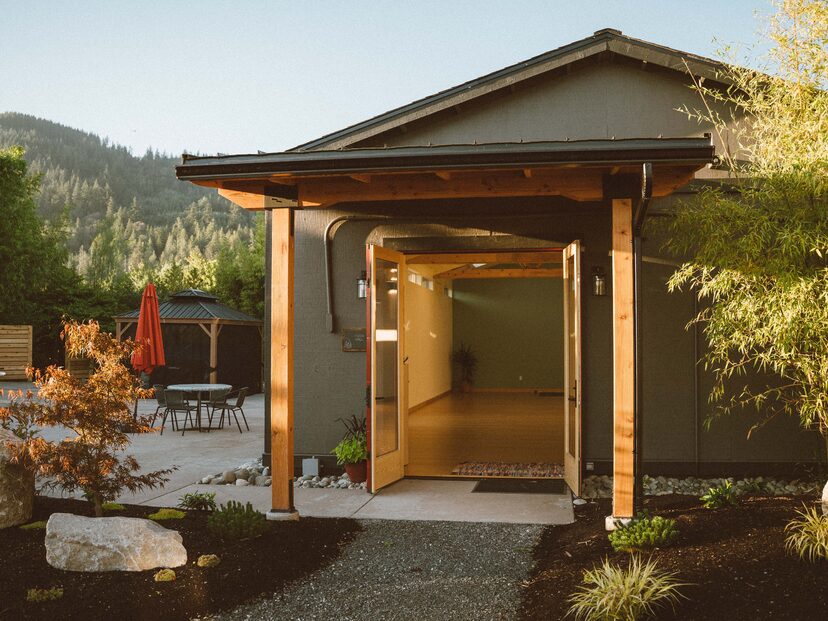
{"x": 428, "y": 339}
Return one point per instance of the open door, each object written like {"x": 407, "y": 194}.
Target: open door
{"x": 386, "y": 389}
{"x": 572, "y": 366}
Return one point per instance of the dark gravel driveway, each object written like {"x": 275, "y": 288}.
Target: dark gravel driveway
{"x": 412, "y": 570}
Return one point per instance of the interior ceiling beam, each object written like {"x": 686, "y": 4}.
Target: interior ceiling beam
{"x": 521, "y": 256}
{"x": 513, "y": 272}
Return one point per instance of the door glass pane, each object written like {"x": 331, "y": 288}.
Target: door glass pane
{"x": 571, "y": 404}
{"x": 385, "y": 391}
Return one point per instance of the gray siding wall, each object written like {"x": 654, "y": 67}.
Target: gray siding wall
{"x": 597, "y": 101}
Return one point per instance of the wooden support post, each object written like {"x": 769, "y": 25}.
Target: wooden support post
{"x": 623, "y": 345}
{"x": 214, "y": 353}
{"x": 281, "y": 364}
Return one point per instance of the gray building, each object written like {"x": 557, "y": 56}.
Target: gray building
{"x": 503, "y": 215}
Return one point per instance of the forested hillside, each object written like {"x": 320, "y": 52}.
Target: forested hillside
{"x": 87, "y": 225}
{"x": 121, "y": 213}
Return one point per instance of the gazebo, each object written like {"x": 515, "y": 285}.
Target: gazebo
{"x": 204, "y": 340}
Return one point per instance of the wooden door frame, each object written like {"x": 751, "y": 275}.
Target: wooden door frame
{"x": 532, "y": 256}
{"x": 397, "y": 467}
{"x": 573, "y": 463}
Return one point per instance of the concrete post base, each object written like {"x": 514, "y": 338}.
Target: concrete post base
{"x": 611, "y": 523}
{"x": 282, "y": 516}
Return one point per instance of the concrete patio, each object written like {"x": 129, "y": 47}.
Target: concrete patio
{"x": 198, "y": 454}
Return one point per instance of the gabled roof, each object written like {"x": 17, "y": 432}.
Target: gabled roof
{"x": 197, "y": 305}
{"x": 606, "y": 41}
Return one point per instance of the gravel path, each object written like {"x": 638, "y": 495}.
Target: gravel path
{"x": 412, "y": 570}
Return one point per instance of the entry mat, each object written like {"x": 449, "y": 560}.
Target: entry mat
{"x": 501, "y": 469}
{"x": 520, "y": 486}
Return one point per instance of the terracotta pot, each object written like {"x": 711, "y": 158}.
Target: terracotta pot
{"x": 357, "y": 472}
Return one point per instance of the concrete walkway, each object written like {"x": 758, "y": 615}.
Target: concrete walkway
{"x": 199, "y": 454}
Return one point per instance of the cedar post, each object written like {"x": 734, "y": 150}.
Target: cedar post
{"x": 280, "y": 393}
{"x": 213, "y": 353}
{"x": 623, "y": 345}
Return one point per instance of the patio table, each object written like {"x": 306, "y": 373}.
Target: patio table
{"x": 198, "y": 389}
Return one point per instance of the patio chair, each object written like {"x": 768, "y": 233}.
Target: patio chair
{"x": 175, "y": 404}
{"x": 216, "y": 399}
{"x": 160, "y": 400}
{"x": 229, "y": 408}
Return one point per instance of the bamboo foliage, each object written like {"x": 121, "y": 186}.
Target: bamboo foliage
{"x": 758, "y": 247}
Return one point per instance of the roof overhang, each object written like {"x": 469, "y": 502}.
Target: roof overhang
{"x": 574, "y": 169}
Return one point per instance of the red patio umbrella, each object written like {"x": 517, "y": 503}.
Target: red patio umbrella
{"x": 148, "y": 334}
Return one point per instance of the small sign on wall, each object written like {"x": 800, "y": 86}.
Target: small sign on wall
{"x": 354, "y": 339}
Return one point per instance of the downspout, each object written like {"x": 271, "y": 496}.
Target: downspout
{"x": 639, "y": 214}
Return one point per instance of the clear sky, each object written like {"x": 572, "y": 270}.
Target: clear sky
{"x": 234, "y": 77}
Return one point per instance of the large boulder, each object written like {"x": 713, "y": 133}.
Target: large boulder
{"x": 77, "y": 543}
{"x": 16, "y": 485}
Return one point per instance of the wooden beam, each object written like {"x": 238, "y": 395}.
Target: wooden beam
{"x": 527, "y": 172}
{"x": 443, "y": 174}
{"x": 623, "y": 340}
{"x": 521, "y": 256}
{"x": 583, "y": 184}
{"x": 281, "y": 361}
{"x": 482, "y": 272}
{"x": 361, "y": 178}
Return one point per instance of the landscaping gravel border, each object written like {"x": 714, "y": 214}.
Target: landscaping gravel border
{"x": 395, "y": 570}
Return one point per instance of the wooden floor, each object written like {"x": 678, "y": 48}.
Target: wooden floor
{"x": 503, "y": 427}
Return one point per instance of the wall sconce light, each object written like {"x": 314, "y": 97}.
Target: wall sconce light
{"x": 599, "y": 281}
{"x": 362, "y": 286}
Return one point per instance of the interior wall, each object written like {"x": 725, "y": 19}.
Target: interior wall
{"x": 428, "y": 341}
{"x": 515, "y": 327}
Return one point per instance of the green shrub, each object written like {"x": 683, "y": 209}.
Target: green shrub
{"x": 644, "y": 532}
{"x": 352, "y": 449}
{"x": 164, "y": 575}
{"x": 44, "y": 595}
{"x": 808, "y": 535}
{"x": 198, "y": 501}
{"x": 112, "y": 506}
{"x": 721, "y": 496}
{"x": 237, "y": 521}
{"x": 167, "y": 514}
{"x": 34, "y": 525}
{"x": 614, "y": 593}
{"x": 208, "y": 560}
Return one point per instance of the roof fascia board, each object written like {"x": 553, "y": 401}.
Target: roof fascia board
{"x": 297, "y": 164}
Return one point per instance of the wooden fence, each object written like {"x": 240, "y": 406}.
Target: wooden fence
{"x": 15, "y": 351}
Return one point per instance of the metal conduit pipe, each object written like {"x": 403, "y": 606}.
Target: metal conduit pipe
{"x": 330, "y": 231}
{"x": 329, "y": 260}
{"x": 638, "y": 419}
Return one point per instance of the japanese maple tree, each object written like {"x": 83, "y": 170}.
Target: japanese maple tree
{"x": 97, "y": 410}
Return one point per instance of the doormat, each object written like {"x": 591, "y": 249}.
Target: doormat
{"x": 520, "y": 486}
{"x": 502, "y": 469}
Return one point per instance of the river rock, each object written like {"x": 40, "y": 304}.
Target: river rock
{"x": 241, "y": 482}
{"x": 16, "y": 485}
{"x": 229, "y": 476}
{"x": 77, "y": 543}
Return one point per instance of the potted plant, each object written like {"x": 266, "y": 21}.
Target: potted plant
{"x": 466, "y": 361}
{"x": 352, "y": 450}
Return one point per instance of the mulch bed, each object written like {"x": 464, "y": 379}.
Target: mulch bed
{"x": 289, "y": 551}
{"x": 733, "y": 559}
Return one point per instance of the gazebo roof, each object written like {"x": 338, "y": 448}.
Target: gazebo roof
{"x": 195, "y": 305}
